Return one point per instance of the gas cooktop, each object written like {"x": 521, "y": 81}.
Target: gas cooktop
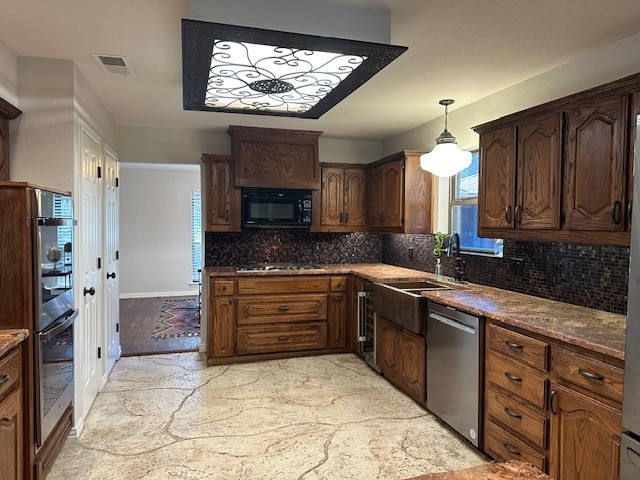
{"x": 275, "y": 267}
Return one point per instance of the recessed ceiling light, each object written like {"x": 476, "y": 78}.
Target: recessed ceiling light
{"x": 235, "y": 69}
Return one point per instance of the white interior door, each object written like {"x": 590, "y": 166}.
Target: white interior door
{"x": 111, "y": 231}
{"x": 89, "y": 224}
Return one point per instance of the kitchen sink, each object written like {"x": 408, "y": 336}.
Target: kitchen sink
{"x": 403, "y": 304}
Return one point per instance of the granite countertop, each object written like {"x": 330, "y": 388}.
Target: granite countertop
{"x": 512, "y": 470}
{"x": 594, "y": 330}
{"x": 11, "y": 337}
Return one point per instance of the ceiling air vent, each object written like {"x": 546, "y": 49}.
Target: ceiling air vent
{"x": 113, "y": 64}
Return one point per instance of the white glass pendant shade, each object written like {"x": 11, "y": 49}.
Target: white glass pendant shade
{"x": 445, "y": 159}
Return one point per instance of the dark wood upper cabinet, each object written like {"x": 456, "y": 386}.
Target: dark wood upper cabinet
{"x": 539, "y": 173}
{"x": 562, "y": 171}
{"x": 275, "y": 158}
{"x": 497, "y": 179}
{"x": 342, "y": 199}
{"x": 399, "y": 195}
{"x": 595, "y": 165}
{"x": 221, "y": 200}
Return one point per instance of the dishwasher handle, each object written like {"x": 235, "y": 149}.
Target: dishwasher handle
{"x": 452, "y": 323}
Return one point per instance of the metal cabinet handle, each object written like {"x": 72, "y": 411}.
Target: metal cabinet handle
{"x": 512, "y": 377}
{"x": 590, "y": 375}
{"x": 515, "y": 346}
{"x": 512, "y": 413}
{"x": 510, "y": 449}
{"x": 111, "y": 275}
{"x": 616, "y": 208}
{"x": 518, "y": 214}
{"x": 91, "y": 291}
{"x": 284, "y": 308}
{"x": 5, "y": 378}
{"x": 346, "y": 217}
{"x": 341, "y": 217}
{"x": 507, "y": 214}
{"x": 629, "y": 211}
{"x": 552, "y": 402}
{"x": 381, "y": 217}
{"x": 226, "y": 215}
{"x": 283, "y": 338}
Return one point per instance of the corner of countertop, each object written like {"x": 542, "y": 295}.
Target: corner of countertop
{"x": 9, "y": 338}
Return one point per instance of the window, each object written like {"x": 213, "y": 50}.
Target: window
{"x": 196, "y": 236}
{"x": 464, "y": 211}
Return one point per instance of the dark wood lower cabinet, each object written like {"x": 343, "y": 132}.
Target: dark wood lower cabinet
{"x": 11, "y": 437}
{"x": 585, "y": 437}
{"x": 402, "y": 358}
{"x": 337, "y": 320}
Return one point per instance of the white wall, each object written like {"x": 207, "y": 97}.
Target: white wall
{"x": 8, "y": 75}
{"x": 43, "y": 146}
{"x": 597, "y": 67}
{"x": 155, "y": 229}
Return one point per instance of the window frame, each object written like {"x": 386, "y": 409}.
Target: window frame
{"x": 196, "y": 235}
{"x": 459, "y": 202}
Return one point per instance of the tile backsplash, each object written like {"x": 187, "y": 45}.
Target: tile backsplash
{"x": 594, "y": 276}
{"x": 290, "y": 245}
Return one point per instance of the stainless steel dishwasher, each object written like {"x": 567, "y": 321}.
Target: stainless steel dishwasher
{"x": 455, "y": 369}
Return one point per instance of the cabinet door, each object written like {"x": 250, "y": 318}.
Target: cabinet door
{"x": 222, "y": 200}
{"x": 538, "y": 170}
{"x": 337, "y": 320}
{"x": 386, "y": 344}
{"x": 595, "y": 166}
{"x": 585, "y": 437}
{"x": 496, "y": 193}
{"x": 332, "y": 196}
{"x": 392, "y": 194}
{"x": 354, "y": 188}
{"x": 223, "y": 327}
{"x": 374, "y": 190}
{"x": 411, "y": 365}
{"x": 11, "y": 437}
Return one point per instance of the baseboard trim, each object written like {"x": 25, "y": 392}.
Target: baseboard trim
{"x": 189, "y": 293}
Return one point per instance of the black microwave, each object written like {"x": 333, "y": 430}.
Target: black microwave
{"x": 265, "y": 207}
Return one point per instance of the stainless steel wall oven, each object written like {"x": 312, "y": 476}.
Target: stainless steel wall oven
{"x": 54, "y": 308}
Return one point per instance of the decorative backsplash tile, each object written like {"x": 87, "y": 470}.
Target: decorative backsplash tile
{"x": 594, "y": 276}
{"x": 289, "y": 245}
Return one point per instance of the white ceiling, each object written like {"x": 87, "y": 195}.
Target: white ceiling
{"x": 461, "y": 49}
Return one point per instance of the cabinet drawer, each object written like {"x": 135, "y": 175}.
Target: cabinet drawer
{"x": 517, "y": 379}
{"x": 223, "y": 287}
{"x": 281, "y": 308}
{"x": 292, "y": 284}
{"x": 530, "y": 424}
{"x": 282, "y": 338}
{"x": 339, "y": 284}
{"x": 595, "y": 376}
{"x": 503, "y": 446}
{"x": 10, "y": 372}
{"x": 515, "y": 345}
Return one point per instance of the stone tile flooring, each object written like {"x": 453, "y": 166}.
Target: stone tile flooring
{"x": 322, "y": 417}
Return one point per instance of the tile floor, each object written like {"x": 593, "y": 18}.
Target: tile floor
{"x": 324, "y": 417}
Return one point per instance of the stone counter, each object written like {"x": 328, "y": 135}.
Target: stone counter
{"x": 594, "y": 330}
{"x": 11, "y": 337}
{"x": 492, "y": 471}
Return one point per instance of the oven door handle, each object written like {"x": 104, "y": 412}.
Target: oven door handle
{"x": 58, "y": 327}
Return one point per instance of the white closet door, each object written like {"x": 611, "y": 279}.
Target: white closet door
{"x": 111, "y": 233}
{"x": 91, "y": 287}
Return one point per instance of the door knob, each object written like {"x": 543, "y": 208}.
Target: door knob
{"x": 91, "y": 291}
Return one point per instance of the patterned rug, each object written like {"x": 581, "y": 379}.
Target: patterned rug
{"x": 178, "y": 318}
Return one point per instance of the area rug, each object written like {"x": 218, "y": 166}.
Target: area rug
{"x": 178, "y": 318}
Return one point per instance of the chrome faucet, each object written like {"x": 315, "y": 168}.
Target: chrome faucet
{"x": 454, "y": 251}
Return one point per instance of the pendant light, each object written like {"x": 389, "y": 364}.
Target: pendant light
{"x": 446, "y": 158}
